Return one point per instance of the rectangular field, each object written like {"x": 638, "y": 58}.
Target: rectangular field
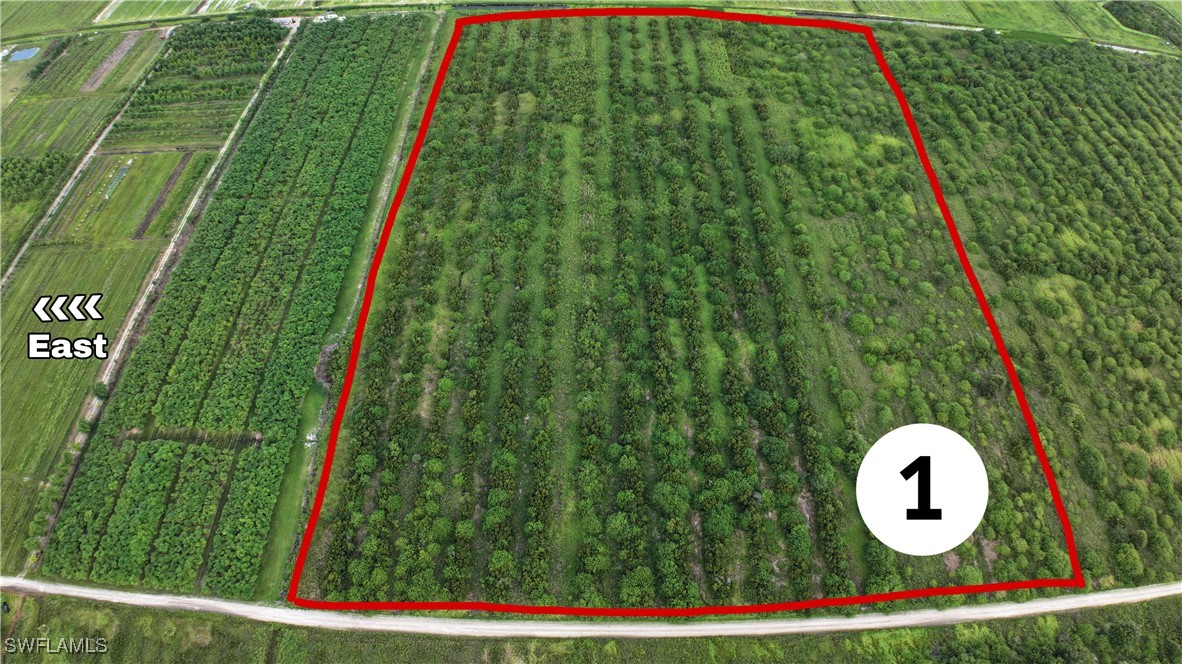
{"x": 138, "y": 10}
{"x": 121, "y": 196}
{"x": 196, "y": 89}
{"x": 654, "y": 288}
{"x": 947, "y": 11}
{"x": 66, "y": 107}
{"x": 104, "y": 238}
{"x": 43, "y": 398}
{"x": 229, "y": 351}
{"x": 23, "y": 17}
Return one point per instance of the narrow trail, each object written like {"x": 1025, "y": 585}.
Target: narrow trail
{"x": 571, "y": 629}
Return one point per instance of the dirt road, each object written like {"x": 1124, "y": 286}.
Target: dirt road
{"x": 568, "y": 629}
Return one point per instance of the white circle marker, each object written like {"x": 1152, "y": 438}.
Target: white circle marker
{"x": 922, "y": 489}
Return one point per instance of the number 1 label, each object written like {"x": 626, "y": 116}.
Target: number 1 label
{"x": 922, "y": 489}
{"x": 923, "y": 466}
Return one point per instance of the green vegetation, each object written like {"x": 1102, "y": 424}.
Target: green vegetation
{"x": 209, "y": 72}
{"x": 68, "y": 104}
{"x": 654, "y": 288}
{"x": 1147, "y": 17}
{"x": 1063, "y": 162}
{"x": 940, "y": 11}
{"x": 103, "y": 239}
{"x": 78, "y": 87}
{"x": 1138, "y": 633}
{"x": 127, "y": 196}
{"x": 27, "y": 17}
{"x": 16, "y": 75}
{"x": 132, "y": 10}
{"x": 229, "y": 350}
{"x": 36, "y": 425}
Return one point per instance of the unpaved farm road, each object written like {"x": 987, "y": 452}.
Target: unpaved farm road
{"x": 568, "y": 629}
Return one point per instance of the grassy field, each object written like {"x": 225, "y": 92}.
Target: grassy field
{"x": 1140, "y": 632}
{"x": 1094, "y": 21}
{"x": 118, "y": 191}
{"x": 68, "y": 105}
{"x": 27, "y": 17}
{"x": 15, "y": 75}
{"x": 136, "y": 10}
{"x": 1173, "y": 8}
{"x": 36, "y": 424}
{"x": 946, "y": 11}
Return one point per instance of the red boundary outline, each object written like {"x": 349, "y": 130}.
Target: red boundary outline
{"x": 1075, "y": 581}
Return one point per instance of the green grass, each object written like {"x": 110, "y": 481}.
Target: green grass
{"x": 34, "y": 127}
{"x": 950, "y": 11}
{"x": 70, "y": 103}
{"x": 15, "y": 75}
{"x": 135, "y": 10}
{"x": 37, "y": 423}
{"x": 1172, "y": 7}
{"x": 288, "y": 520}
{"x": 18, "y": 223}
{"x": 27, "y": 17}
{"x": 114, "y": 196}
{"x": 1023, "y": 15}
{"x": 1098, "y": 24}
{"x": 51, "y": 391}
{"x": 18, "y": 500}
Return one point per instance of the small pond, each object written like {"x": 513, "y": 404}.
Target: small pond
{"x": 24, "y": 54}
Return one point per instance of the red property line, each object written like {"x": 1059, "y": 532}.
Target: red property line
{"x": 1075, "y": 581}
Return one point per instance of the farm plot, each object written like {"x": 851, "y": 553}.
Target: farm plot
{"x": 43, "y": 399}
{"x": 54, "y": 115}
{"x": 948, "y": 11}
{"x": 121, "y": 195}
{"x": 138, "y": 10}
{"x": 654, "y": 288}
{"x": 229, "y": 350}
{"x": 15, "y": 74}
{"x": 81, "y": 90}
{"x": 116, "y": 217}
{"x": 1095, "y": 21}
{"x": 28, "y": 17}
{"x": 196, "y": 90}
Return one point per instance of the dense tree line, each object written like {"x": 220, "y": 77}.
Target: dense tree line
{"x": 231, "y": 345}
{"x": 1147, "y": 17}
{"x": 206, "y": 66}
{"x": 675, "y": 276}
{"x": 1077, "y": 216}
{"x": 25, "y": 178}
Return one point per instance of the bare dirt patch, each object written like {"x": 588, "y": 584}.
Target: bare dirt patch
{"x": 96, "y": 79}
{"x": 162, "y": 196}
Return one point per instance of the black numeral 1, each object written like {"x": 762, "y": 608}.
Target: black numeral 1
{"x": 923, "y": 466}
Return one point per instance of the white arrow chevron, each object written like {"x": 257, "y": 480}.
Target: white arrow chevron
{"x": 56, "y": 309}
{"x": 91, "y": 303}
{"x": 73, "y": 308}
{"x": 39, "y": 308}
